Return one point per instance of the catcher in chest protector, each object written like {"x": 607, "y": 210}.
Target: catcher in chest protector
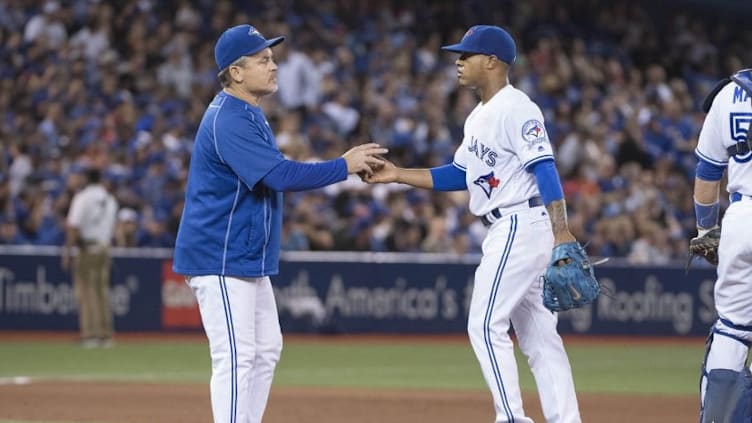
{"x": 506, "y": 163}
{"x": 725, "y": 143}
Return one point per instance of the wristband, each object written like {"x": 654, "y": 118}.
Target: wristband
{"x": 707, "y": 215}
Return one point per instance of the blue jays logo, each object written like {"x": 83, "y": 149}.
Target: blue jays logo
{"x": 469, "y": 32}
{"x": 739, "y": 125}
{"x": 533, "y": 132}
{"x": 253, "y": 31}
{"x": 487, "y": 183}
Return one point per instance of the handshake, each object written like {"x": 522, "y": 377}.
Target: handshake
{"x": 366, "y": 161}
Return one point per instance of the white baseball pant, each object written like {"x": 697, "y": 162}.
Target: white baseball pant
{"x": 245, "y": 341}
{"x": 507, "y": 290}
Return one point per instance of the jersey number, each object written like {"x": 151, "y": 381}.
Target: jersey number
{"x": 739, "y": 125}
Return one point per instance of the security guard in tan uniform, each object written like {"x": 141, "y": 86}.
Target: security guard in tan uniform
{"x": 90, "y": 227}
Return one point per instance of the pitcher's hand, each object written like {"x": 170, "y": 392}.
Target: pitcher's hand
{"x": 384, "y": 174}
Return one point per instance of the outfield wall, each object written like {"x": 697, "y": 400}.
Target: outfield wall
{"x": 349, "y": 293}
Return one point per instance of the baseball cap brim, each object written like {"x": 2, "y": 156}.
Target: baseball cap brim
{"x": 269, "y": 43}
{"x": 458, "y": 48}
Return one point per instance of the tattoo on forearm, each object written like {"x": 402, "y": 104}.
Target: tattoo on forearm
{"x": 557, "y": 212}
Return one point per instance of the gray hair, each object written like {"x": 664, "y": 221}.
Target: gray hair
{"x": 224, "y": 75}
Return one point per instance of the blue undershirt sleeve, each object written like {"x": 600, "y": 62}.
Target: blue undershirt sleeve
{"x": 708, "y": 171}
{"x": 290, "y": 175}
{"x": 548, "y": 181}
{"x": 448, "y": 178}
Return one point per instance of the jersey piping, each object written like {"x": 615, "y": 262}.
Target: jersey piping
{"x": 229, "y": 225}
{"x": 536, "y": 160}
{"x": 214, "y": 127}
{"x": 267, "y": 228}
{"x": 709, "y": 160}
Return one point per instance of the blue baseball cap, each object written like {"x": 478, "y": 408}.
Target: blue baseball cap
{"x": 239, "y": 41}
{"x": 489, "y": 40}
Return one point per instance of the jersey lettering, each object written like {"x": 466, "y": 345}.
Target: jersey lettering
{"x": 740, "y": 95}
{"x": 482, "y": 152}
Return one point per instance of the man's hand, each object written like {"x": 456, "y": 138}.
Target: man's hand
{"x": 383, "y": 174}
{"x": 65, "y": 260}
{"x": 363, "y": 159}
{"x": 71, "y": 238}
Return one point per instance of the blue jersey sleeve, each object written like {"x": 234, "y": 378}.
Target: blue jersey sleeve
{"x": 295, "y": 176}
{"x": 708, "y": 171}
{"x": 246, "y": 145}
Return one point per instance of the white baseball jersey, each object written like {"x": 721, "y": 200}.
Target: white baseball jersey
{"x": 726, "y": 124}
{"x": 503, "y": 137}
{"x": 93, "y": 211}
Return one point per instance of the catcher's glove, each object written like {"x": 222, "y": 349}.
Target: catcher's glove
{"x": 705, "y": 246}
{"x": 569, "y": 281}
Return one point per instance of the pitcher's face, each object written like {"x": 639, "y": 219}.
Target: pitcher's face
{"x": 469, "y": 68}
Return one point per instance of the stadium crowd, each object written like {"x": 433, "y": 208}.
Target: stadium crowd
{"x": 122, "y": 85}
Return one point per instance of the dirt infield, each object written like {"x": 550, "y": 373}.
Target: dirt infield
{"x": 130, "y": 402}
{"x": 189, "y": 403}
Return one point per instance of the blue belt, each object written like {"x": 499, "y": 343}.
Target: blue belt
{"x": 496, "y": 214}
{"x": 737, "y": 196}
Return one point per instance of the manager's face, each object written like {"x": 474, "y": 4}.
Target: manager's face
{"x": 259, "y": 73}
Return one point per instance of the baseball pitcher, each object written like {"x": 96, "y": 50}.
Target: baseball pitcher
{"x": 506, "y": 163}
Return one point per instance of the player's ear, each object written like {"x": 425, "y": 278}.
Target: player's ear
{"x": 492, "y": 61}
{"x": 235, "y": 73}
{"x": 500, "y": 64}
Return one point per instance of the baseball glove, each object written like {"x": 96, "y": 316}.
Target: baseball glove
{"x": 569, "y": 281}
{"x": 706, "y": 246}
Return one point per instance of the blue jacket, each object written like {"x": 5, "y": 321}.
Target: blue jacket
{"x": 231, "y": 223}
